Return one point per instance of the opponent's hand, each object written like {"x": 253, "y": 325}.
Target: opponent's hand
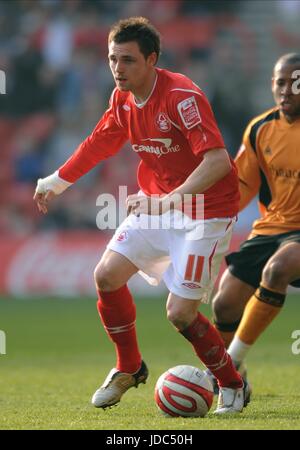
{"x": 42, "y": 200}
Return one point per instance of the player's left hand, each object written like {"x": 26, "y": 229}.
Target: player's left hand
{"x": 140, "y": 204}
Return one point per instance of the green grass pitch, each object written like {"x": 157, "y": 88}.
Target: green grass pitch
{"x": 57, "y": 354}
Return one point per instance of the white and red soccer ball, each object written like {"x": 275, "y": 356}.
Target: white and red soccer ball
{"x": 184, "y": 391}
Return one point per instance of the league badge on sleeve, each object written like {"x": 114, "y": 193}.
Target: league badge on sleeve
{"x": 189, "y": 112}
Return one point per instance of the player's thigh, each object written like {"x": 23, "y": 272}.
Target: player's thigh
{"x": 146, "y": 248}
{"x": 231, "y": 298}
{"x": 284, "y": 265}
{"x": 113, "y": 271}
{"x": 181, "y": 311}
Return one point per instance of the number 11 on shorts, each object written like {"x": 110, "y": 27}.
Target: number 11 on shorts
{"x": 194, "y": 267}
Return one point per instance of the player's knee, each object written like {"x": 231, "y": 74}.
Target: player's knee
{"x": 276, "y": 274}
{"x": 223, "y": 309}
{"x": 180, "y": 316}
{"x": 217, "y": 306}
{"x": 105, "y": 279}
{"x": 172, "y": 314}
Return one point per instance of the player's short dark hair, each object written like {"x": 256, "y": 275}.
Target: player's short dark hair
{"x": 137, "y": 29}
{"x": 289, "y": 59}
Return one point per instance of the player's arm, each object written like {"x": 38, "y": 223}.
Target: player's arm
{"x": 216, "y": 165}
{"x": 248, "y": 171}
{"x": 107, "y": 139}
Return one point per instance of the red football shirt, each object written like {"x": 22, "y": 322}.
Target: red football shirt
{"x": 170, "y": 132}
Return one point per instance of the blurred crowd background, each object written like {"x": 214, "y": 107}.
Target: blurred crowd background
{"x": 54, "y": 55}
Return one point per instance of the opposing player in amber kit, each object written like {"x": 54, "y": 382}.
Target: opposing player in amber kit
{"x": 268, "y": 163}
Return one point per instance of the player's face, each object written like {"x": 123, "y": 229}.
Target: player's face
{"x": 286, "y": 90}
{"x": 131, "y": 71}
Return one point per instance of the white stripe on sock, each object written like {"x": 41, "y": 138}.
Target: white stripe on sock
{"x": 121, "y": 329}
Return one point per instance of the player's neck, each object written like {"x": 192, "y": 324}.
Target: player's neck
{"x": 142, "y": 95}
{"x": 291, "y": 119}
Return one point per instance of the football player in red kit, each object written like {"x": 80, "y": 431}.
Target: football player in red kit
{"x": 171, "y": 127}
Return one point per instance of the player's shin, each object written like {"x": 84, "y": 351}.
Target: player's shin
{"x": 260, "y": 311}
{"x": 118, "y": 314}
{"x": 209, "y": 346}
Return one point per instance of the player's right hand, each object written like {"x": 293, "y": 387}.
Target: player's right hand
{"x": 42, "y": 200}
{"x": 47, "y": 188}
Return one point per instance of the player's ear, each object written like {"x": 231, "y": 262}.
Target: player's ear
{"x": 273, "y": 84}
{"x": 152, "y": 59}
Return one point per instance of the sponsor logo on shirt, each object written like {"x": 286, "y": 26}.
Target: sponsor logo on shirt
{"x": 284, "y": 172}
{"x": 163, "y": 122}
{"x": 189, "y": 112}
{"x": 159, "y": 150}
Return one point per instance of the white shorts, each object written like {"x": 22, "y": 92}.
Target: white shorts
{"x": 188, "y": 260}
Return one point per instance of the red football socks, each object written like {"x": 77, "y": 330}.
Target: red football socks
{"x": 209, "y": 346}
{"x": 118, "y": 313}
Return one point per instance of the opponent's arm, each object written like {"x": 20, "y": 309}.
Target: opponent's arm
{"x": 248, "y": 171}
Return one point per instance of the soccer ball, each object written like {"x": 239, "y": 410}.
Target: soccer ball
{"x": 184, "y": 391}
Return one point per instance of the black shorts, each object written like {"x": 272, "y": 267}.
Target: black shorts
{"x": 248, "y": 263}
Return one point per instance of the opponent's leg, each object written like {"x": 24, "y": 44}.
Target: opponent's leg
{"x": 228, "y": 305}
{"x": 281, "y": 269}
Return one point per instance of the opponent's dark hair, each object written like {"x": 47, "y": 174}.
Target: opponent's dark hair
{"x": 137, "y": 29}
{"x": 289, "y": 59}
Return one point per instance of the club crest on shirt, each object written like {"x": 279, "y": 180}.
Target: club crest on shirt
{"x": 122, "y": 236}
{"x": 163, "y": 122}
{"x": 268, "y": 151}
{"x": 189, "y": 112}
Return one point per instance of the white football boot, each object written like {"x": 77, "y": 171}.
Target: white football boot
{"x": 232, "y": 400}
{"x": 116, "y": 384}
{"x": 242, "y": 370}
